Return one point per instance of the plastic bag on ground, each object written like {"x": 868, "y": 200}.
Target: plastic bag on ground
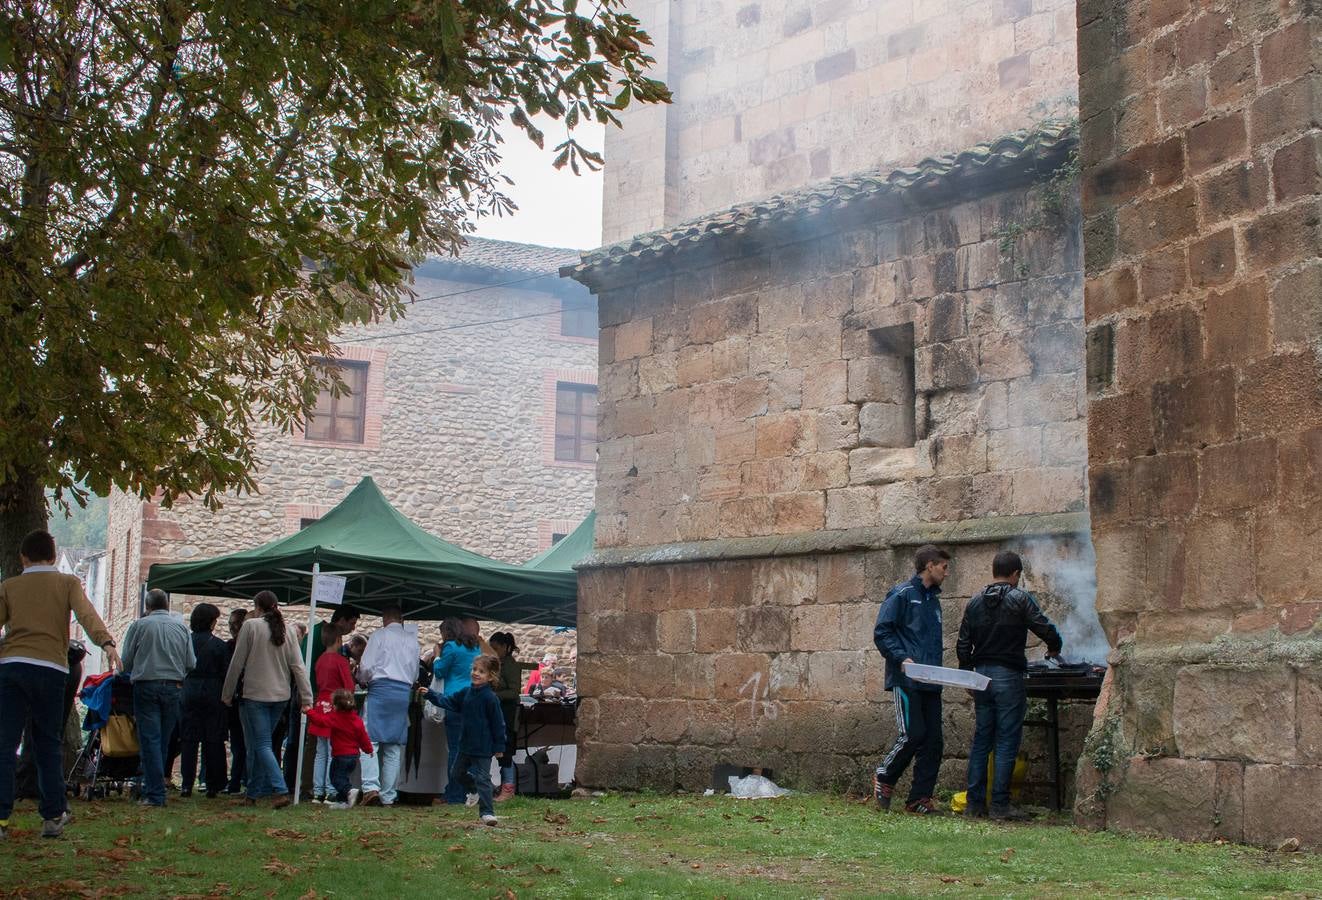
{"x": 755, "y": 787}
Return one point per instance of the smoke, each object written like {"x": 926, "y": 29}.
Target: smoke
{"x": 1062, "y": 574}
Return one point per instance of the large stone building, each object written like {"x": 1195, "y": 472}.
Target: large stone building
{"x": 453, "y": 412}
{"x": 804, "y": 376}
{"x": 1202, "y": 231}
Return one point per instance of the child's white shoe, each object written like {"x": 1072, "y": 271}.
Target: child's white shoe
{"x": 335, "y": 804}
{"x": 470, "y": 800}
{"x": 489, "y": 819}
{"x": 353, "y": 797}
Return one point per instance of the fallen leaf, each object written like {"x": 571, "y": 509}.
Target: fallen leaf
{"x": 117, "y": 854}
{"x": 455, "y": 848}
{"x": 696, "y": 866}
{"x": 310, "y": 895}
{"x": 759, "y": 819}
{"x": 546, "y": 870}
{"x": 1289, "y": 845}
{"x": 621, "y": 880}
{"x": 281, "y": 868}
{"x": 555, "y": 818}
{"x": 946, "y": 879}
{"x": 1007, "y": 855}
{"x": 286, "y": 834}
{"x": 599, "y": 820}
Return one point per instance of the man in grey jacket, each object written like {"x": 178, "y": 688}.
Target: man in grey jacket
{"x": 158, "y": 653}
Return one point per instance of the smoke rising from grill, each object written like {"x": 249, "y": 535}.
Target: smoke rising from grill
{"x": 1067, "y": 570}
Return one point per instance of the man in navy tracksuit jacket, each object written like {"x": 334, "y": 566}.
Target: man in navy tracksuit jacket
{"x": 909, "y": 630}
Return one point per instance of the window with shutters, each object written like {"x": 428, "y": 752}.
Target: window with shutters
{"x": 341, "y": 419}
{"x": 575, "y": 422}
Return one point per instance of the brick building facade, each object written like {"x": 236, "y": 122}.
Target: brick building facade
{"x": 772, "y": 96}
{"x": 457, "y": 426}
{"x": 1204, "y": 311}
{"x": 795, "y": 393}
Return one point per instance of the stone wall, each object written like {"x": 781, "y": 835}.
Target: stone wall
{"x": 757, "y": 393}
{"x": 1200, "y": 195}
{"x": 784, "y": 416}
{"x": 771, "y": 96}
{"x": 465, "y": 390}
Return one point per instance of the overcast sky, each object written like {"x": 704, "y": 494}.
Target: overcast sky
{"x": 556, "y": 208}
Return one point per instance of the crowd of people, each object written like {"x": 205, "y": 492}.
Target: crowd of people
{"x": 193, "y": 693}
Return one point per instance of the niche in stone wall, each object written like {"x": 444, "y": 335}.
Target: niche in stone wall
{"x": 886, "y": 388}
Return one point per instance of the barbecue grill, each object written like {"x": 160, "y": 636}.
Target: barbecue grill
{"x": 1069, "y": 682}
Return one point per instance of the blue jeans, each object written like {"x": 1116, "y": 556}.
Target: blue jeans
{"x": 37, "y": 692}
{"x": 472, "y": 775}
{"x": 259, "y": 721}
{"x": 156, "y": 711}
{"x": 381, "y": 771}
{"x": 321, "y": 764}
{"x": 999, "y": 726}
{"x": 454, "y": 793}
{"x": 341, "y": 775}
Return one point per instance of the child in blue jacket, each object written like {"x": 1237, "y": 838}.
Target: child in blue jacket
{"x": 481, "y": 733}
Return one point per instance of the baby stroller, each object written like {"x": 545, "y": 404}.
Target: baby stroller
{"x": 109, "y": 760}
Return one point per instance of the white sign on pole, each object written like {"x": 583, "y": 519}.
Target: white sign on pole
{"x": 328, "y": 589}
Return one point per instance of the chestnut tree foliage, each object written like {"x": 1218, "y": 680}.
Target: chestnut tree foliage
{"x": 196, "y": 194}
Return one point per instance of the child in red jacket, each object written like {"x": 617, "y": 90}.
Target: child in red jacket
{"x": 348, "y": 735}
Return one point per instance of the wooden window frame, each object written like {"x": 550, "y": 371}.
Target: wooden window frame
{"x": 582, "y": 452}
{"x": 358, "y": 417}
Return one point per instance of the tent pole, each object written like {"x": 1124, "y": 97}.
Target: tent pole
{"x": 307, "y": 664}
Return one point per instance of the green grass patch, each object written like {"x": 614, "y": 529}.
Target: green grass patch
{"x": 617, "y": 845}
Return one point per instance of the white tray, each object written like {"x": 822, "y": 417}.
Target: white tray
{"x": 959, "y": 678}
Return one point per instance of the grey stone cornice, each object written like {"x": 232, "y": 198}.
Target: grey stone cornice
{"x": 967, "y": 531}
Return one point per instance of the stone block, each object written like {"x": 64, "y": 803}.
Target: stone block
{"x": 1056, "y": 348}
{"x": 1203, "y": 39}
{"x": 1004, "y": 355}
{"x": 816, "y": 627}
{"x": 735, "y": 442}
{"x": 729, "y": 358}
{"x": 1168, "y": 343}
{"x": 633, "y": 339}
{"x": 837, "y": 675}
{"x": 852, "y": 507}
{"x": 886, "y": 424}
{"x": 768, "y": 352}
{"x": 1216, "y": 574}
{"x": 1167, "y": 796}
{"x": 1014, "y": 448}
{"x": 1065, "y": 443}
{"x": 1232, "y": 78}
{"x": 738, "y": 673}
{"x": 1232, "y": 192}
{"x": 732, "y": 583}
{"x": 1048, "y": 490}
{"x": 1236, "y": 323}
{"x": 788, "y": 678}
{"x": 1282, "y": 238}
{"x": 1238, "y": 475}
{"x": 1280, "y": 802}
{"x": 1050, "y": 398}
{"x": 1300, "y": 457}
{"x": 647, "y": 589}
{"x": 1163, "y": 272}
{"x": 784, "y": 582}
{"x": 1212, "y": 259}
{"x": 785, "y": 434}
{"x": 1287, "y": 54}
{"x": 879, "y": 465}
{"x": 798, "y": 512}
{"x": 695, "y": 676}
{"x": 813, "y": 343}
{"x": 1188, "y": 412}
{"x": 1110, "y": 292}
{"x": 627, "y": 632}
{"x": 1168, "y": 483}
{"x": 1149, "y": 224}
{"x": 746, "y": 517}
{"x": 1280, "y": 394}
{"x": 1296, "y": 315}
{"x": 1217, "y": 141}
{"x": 723, "y": 318}
{"x": 837, "y": 427}
{"x": 808, "y": 725}
{"x": 1289, "y": 109}
{"x": 826, "y": 385}
{"x": 1297, "y": 169}
{"x": 1289, "y": 568}
{"x": 1309, "y": 708}
{"x": 663, "y": 721}
{"x": 825, "y": 470}
{"x": 1223, "y": 713}
{"x": 714, "y": 631}
{"x": 676, "y": 631}
{"x": 944, "y": 366}
{"x": 878, "y": 379}
{"x": 607, "y": 766}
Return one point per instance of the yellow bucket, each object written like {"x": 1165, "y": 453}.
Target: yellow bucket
{"x": 960, "y": 801}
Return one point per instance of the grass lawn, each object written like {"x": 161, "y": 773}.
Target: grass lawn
{"x": 618, "y": 845}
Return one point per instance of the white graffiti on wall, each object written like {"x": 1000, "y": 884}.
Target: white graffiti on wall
{"x": 759, "y": 697}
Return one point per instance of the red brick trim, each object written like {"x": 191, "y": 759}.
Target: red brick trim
{"x": 374, "y": 412}
{"x": 554, "y": 327}
{"x": 296, "y": 512}
{"x": 548, "y": 527}
{"x": 547, "y": 419}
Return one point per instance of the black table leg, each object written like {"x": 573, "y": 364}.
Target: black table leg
{"x": 1053, "y": 753}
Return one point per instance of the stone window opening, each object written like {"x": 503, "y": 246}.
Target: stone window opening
{"x": 578, "y": 317}
{"x": 557, "y": 537}
{"x": 885, "y": 388}
{"x": 341, "y": 419}
{"x": 304, "y": 522}
{"x": 575, "y": 422}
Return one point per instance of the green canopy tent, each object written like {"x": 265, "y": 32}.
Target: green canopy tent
{"x": 385, "y": 558}
{"x": 565, "y": 553}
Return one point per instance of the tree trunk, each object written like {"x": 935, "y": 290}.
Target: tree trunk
{"x": 22, "y": 509}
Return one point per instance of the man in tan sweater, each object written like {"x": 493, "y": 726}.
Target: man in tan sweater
{"x": 34, "y": 612}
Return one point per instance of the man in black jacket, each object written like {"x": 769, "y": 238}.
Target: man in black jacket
{"x": 991, "y": 642}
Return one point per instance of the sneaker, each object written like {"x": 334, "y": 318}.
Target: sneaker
{"x": 371, "y": 798}
{"x": 353, "y": 796}
{"x": 1009, "y": 814}
{"x": 186, "y": 792}
{"x": 470, "y": 800}
{"x": 923, "y": 806}
{"x": 489, "y": 819}
{"x": 150, "y": 804}
{"x": 975, "y": 811}
{"x": 506, "y": 792}
{"x": 335, "y": 804}
{"x": 53, "y": 828}
{"x": 882, "y": 792}
{"x": 318, "y": 798}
